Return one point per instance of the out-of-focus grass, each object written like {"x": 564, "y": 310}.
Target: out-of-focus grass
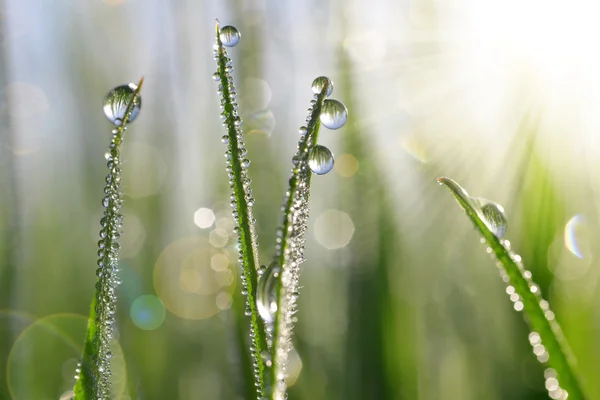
{"x": 430, "y": 307}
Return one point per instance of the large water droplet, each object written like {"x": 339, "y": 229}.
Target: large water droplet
{"x": 493, "y": 216}
{"x": 320, "y": 83}
{"x": 116, "y": 101}
{"x": 266, "y": 293}
{"x": 333, "y": 114}
{"x": 320, "y": 160}
{"x": 229, "y": 36}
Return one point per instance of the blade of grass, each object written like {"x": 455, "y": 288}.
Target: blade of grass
{"x": 94, "y": 373}
{"x": 538, "y": 315}
{"x": 290, "y": 248}
{"x": 242, "y": 202}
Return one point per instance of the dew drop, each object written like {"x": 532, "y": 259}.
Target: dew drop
{"x": 266, "y": 294}
{"x": 229, "y": 36}
{"x": 333, "y": 114}
{"x": 116, "y": 101}
{"x": 320, "y": 83}
{"x": 493, "y": 216}
{"x": 320, "y": 160}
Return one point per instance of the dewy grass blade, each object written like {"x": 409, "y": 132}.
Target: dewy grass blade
{"x": 93, "y": 374}
{"x": 241, "y": 197}
{"x": 279, "y": 288}
{"x": 546, "y": 337}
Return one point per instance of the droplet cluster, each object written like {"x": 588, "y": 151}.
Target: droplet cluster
{"x": 121, "y": 106}
{"x": 242, "y": 200}
{"x": 523, "y": 292}
{"x": 108, "y": 269}
{"x": 539, "y": 350}
{"x": 289, "y": 253}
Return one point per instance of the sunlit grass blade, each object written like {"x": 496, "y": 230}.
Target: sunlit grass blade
{"x": 280, "y": 280}
{"x": 546, "y": 337}
{"x": 241, "y": 196}
{"x": 94, "y": 372}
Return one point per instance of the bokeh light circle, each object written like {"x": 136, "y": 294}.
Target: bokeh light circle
{"x": 36, "y": 362}
{"x": 333, "y": 229}
{"x": 147, "y": 312}
{"x": 192, "y": 279}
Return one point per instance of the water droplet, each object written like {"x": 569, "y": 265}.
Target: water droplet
{"x": 216, "y": 77}
{"x": 493, "y": 216}
{"x": 320, "y": 160}
{"x": 266, "y": 294}
{"x": 116, "y": 101}
{"x": 229, "y": 36}
{"x": 320, "y": 83}
{"x": 333, "y": 114}
{"x": 267, "y": 358}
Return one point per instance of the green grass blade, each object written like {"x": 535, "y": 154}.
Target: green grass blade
{"x": 540, "y": 318}
{"x": 94, "y": 374}
{"x": 242, "y": 202}
{"x": 289, "y": 253}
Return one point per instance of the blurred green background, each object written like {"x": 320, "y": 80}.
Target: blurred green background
{"x": 399, "y": 301}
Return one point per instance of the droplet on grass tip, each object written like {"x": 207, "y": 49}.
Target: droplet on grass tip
{"x": 493, "y": 216}
{"x": 320, "y": 83}
{"x": 333, "y": 114}
{"x": 266, "y": 295}
{"x": 229, "y": 36}
{"x": 116, "y": 102}
{"x": 320, "y": 160}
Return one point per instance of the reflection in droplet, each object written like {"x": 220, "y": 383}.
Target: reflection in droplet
{"x": 147, "y": 312}
{"x": 493, "y": 216}
{"x": 116, "y": 101}
{"x": 334, "y": 114}
{"x": 229, "y": 36}
{"x": 320, "y": 83}
{"x": 266, "y": 295}
{"x": 320, "y": 160}
{"x": 333, "y": 229}
{"x": 204, "y": 218}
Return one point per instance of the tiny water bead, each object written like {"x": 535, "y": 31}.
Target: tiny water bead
{"x": 266, "y": 295}
{"x": 493, "y": 216}
{"x": 229, "y": 36}
{"x": 320, "y": 83}
{"x": 116, "y": 102}
{"x": 320, "y": 160}
{"x": 333, "y": 114}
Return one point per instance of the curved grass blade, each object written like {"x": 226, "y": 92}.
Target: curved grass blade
{"x": 290, "y": 247}
{"x": 546, "y": 337}
{"x": 94, "y": 373}
{"x": 241, "y": 197}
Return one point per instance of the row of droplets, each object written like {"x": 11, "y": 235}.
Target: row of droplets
{"x": 493, "y": 216}
{"x": 278, "y": 288}
{"x": 115, "y": 108}
{"x": 236, "y": 159}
